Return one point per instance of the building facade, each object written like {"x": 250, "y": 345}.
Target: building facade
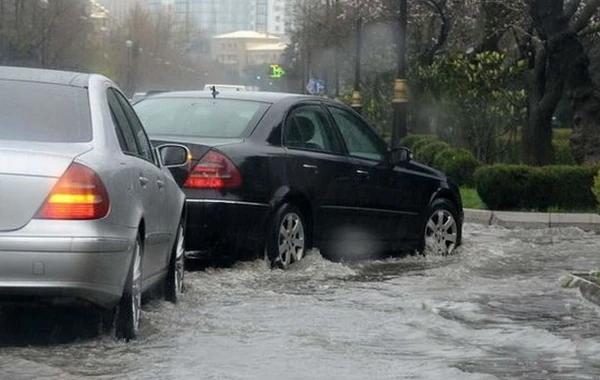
{"x": 241, "y": 49}
{"x": 214, "y": 17}
{"x": 269, "y": 16}
{"x": 119, "y": 9}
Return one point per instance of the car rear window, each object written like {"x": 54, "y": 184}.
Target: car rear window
{"x": 199, "y": 117}
{"x": 32, "y": 111}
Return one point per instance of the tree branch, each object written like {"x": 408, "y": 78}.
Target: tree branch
{"x": 571, "y": 8}
{"x": 589, "y": 10}
{"x": 444, "y": 31}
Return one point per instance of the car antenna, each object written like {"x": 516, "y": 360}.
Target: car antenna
{"x": 214, "y": 92}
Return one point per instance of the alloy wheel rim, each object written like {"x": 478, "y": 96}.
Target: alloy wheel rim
{"x": 291, "y": 239}
{"x": 136, "y": 289}
{"x": 441, "y": 234}
{"x": 179, "y": 261}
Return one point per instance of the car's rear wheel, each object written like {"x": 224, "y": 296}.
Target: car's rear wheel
{"x": 441, "y": 234}
{"x": 174, "y": 281}
{"x": 130, "y": 306}
{"x": 286, "y": 240}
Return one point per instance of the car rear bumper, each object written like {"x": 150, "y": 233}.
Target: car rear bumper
{"x": 64, "y": 268}
{"x": 225, "y": 228}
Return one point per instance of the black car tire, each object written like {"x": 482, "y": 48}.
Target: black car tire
{"x": 129, "y": 308}
{"x": 174, "y": 285}
{"x": 442, "y": 209}
{"x": 285, "y": 214}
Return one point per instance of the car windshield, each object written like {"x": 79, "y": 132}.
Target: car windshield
{"x": 61, "y": 112}
{"x": 199, "y": 117}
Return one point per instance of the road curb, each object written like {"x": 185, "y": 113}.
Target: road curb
{"x": 533, "y": 220}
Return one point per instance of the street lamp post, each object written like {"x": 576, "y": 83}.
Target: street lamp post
{"x": 356, "y": 96}
{"x": 400, "y": 100}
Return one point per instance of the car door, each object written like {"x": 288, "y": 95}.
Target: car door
{"x": 316, "y": 165}
{"x": 151, "y": 187}
{"x": 380, "y": 189}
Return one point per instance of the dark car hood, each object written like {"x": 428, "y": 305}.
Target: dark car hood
{"x": 418, "y": 167}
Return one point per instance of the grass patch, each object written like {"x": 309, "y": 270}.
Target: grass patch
{"x": 471, "y": 199}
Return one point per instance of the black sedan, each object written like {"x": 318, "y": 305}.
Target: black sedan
{"x": 277, "y": 174}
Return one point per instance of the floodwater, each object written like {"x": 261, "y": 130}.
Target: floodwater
{"x": 494, "y": 310}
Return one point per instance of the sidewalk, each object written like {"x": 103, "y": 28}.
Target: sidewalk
{"x": 533, "y": 220}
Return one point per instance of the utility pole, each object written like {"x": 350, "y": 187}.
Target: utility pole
{"x": 187, "y": 22}
{"x": 1, "y": 31}
{"x": 336, "y": 58}
{"x": 400, "y": 100}
{"x": 356, "y": 96}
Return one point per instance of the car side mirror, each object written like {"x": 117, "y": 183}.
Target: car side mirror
{"x": 174, "y": 155}
{"x": 399, "y": 156}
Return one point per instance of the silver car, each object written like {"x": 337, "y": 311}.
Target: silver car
{"x": 88, "y": 209}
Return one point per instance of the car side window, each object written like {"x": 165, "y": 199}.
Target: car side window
{"x": 360, "y": 140}
{"x": 308, "y": 128}
{"x": 145, "y": 147}
{"x": 123, "y": 130}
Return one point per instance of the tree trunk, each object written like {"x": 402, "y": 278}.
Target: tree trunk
{"x": 545, "y": 89}
{"x": 537, "y": 137}
{"x": 584, "y": 97}
{"x": 550, "y": 68}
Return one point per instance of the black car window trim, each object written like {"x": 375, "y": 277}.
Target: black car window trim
{"x": 252, "y": 124}
{"x": 119, "y": 127}
{"x": 331, "y": 127}
{"x": 123, "y": 102}
{"x": 370, "y": 130}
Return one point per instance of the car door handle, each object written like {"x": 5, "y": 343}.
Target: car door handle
{"x": 160, "y": 183}
{"x": 143, "y": 181}
{"x": 310, "y": 167}
{"x": 362, "y": 173}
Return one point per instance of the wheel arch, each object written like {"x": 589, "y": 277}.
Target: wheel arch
{"x": 300, "y": 200}
{"x": 446, "y": 193}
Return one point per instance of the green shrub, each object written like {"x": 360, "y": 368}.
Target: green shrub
{"x": 428, "y": 152}
{"x": 514, "y": 187}
{"x": 458, "y": 164}
{"x": 410, "y": 140}
{"x": 561, "y": 134}
{"x": 508, "y": 151}
{"x": 420, "y": 144}
{"x": 596, "y": 189}
{"x": 501, "y": 186}
{"x": 562, "y": 152}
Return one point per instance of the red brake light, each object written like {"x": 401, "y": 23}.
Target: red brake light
{"x": 214, "y": 171}
{"x": 78, "y": 195}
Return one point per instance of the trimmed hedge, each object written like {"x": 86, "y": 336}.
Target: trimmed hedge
{"x": 517, "y": 187}
{"x": 428, "y": 152}
{"x": 409, "y": 140}
{"x": 421, "y": 144}
{"x": 458, "y": 164}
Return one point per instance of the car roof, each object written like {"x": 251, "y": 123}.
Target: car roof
{"x": 67, "y": 78}
{"x": 257, "y": 96}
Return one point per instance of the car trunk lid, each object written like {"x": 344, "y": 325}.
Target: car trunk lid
{"x": 28, "y": 172}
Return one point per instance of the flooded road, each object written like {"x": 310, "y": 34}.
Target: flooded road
{"x": 494, "y": 310}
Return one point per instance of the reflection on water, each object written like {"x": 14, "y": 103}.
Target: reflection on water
{"x": 492, "y": 311}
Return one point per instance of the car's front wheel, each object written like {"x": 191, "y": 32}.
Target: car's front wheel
{"x": 441, "y": 234}
{"x": 130, "y": 307}
{"x": 286, "y": 239}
